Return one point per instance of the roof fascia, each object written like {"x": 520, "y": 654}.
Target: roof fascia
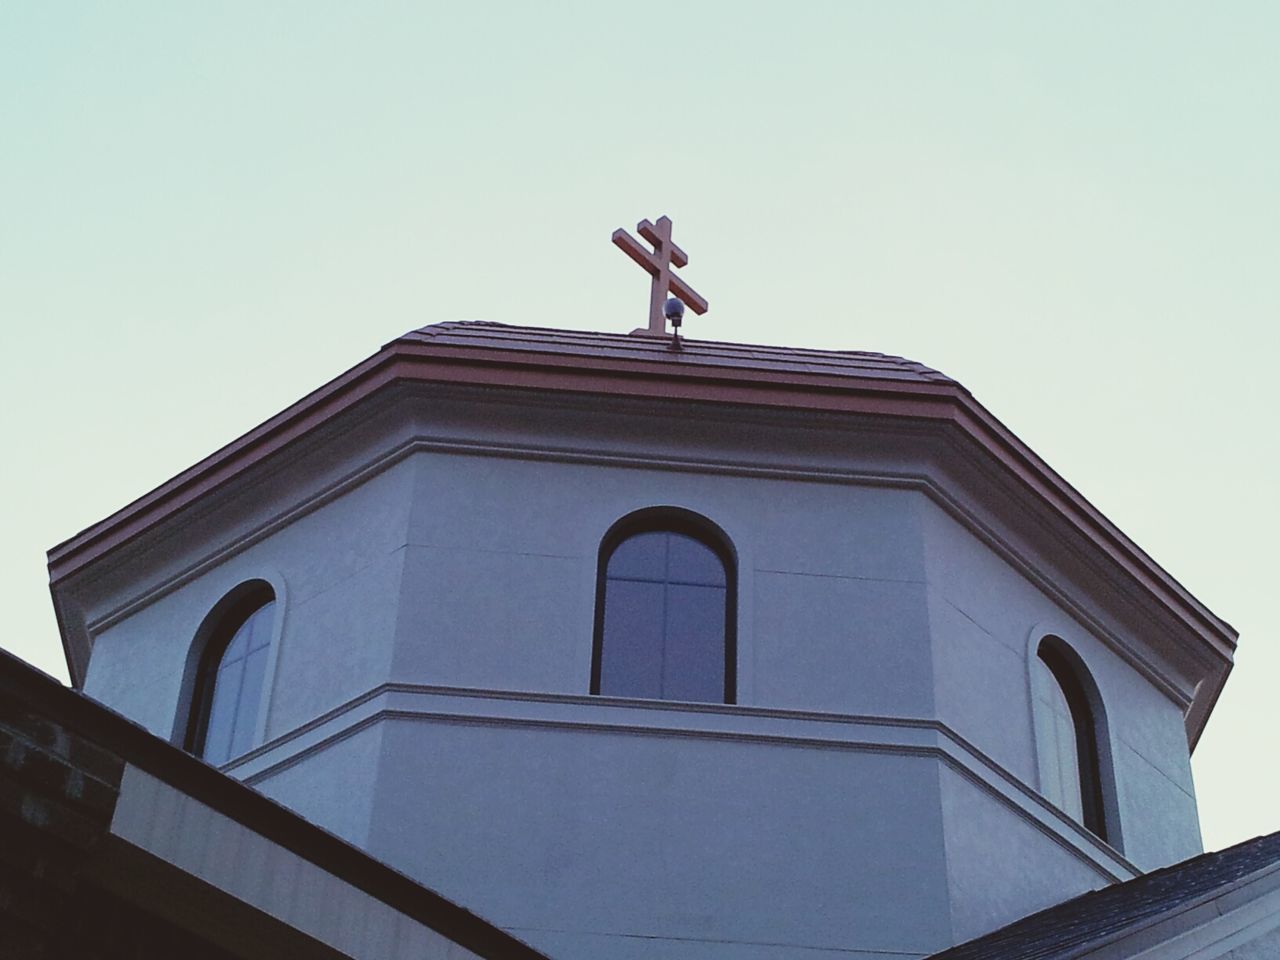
{"x": 672, "y": 379}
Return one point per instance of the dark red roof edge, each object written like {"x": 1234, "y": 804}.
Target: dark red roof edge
{"x": 414, "y": 359}
{"x": 409, "y": 361}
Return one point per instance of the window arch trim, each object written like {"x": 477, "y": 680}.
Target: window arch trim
{"x": 1089, "y": 722}
{"x": 669, "y": 519}
{"x": 204, "y": 658}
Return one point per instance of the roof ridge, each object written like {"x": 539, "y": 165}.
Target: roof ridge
{"x": 646, "y": 344}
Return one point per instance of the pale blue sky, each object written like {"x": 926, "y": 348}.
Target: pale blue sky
{"x": 206, "y": 210}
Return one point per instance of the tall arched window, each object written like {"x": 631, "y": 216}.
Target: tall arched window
{"x": 1074, "y": 772}
{"x": 666, "y": 593}
{"x": 230, "y": 674}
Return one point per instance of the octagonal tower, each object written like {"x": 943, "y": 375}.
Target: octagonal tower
{"x": 724, "y": 651}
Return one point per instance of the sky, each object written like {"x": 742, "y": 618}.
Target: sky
{"x": 208, "y": 210}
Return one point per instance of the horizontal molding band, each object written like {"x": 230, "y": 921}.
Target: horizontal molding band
{"x": 967, "y": 518}
{"x": 900, "y": 736}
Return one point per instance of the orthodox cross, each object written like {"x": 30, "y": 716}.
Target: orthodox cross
{"x": 659, "y": 264}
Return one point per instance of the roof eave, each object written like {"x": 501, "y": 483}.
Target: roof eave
{"x": 418, "y": 360}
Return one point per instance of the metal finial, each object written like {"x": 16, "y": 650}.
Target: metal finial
{"x": 673, "y": 310}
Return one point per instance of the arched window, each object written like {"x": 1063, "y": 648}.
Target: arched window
{"x": 666, "y": 593}
{"x": 1074, "y": 773}
{"x": 230, "y": 674}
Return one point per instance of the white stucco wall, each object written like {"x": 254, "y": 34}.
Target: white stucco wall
{"x": 500, "y": 580}
{"x": 987, "y": 622}
{"x": 697, "y": 841}
{"x": 875, "y": 789}
{"x": 337, "y": 570}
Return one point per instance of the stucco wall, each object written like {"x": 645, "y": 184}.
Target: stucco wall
{"x": 336, "y": 571}
{"x": 869, "y": 791}
{"x": 501, "y": 580}
{"x": 987, "y": 620}
{"x": 693, "y": 842}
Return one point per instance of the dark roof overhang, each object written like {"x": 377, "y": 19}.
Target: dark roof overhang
{"x": 76, "y": 730}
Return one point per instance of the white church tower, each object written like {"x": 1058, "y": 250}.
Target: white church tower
{"x": 638, "y": 651}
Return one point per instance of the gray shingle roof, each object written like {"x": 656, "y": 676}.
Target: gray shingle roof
{"x": 1074, "y": 926}
{"x": 621, "y": 346}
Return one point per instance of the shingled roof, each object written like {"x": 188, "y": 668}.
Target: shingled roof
{"x": 1076, "y": 927}
{"x": 858, "y": 364}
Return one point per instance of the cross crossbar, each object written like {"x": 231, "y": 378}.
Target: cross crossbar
{"x": 658, "y": 263}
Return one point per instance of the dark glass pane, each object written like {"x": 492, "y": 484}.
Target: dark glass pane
{"x": 1073, "y": 719}
{"x": 259, "y": 625}
{"x": 1057, "y": 744}
{"x": 642, "y": 557}
{"x": 631, "y": 647}
{"x": 691, "y": 561}
{"x": 222, "y": 712}
{"x": 236, "y": 693}
{"x": 665, "y": 619}
{"x": 693, "y": 662}
{"x": 246, "y": 722}
{"x": 239, "y": 644}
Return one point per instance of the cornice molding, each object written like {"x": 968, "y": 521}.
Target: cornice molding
{"x": 963, "y": 514}
{"x": 940, "y": 404}
{"x": 899, "y": 736}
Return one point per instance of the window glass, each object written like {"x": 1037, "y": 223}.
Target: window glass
{"x": 693, "y": 652}
{"x": 237, "y": 679}
{"x": 691, "y": 561}
{"x": 1058, "y": 746}
{"x": 222, "y": 711}
{"x": 641, "y": 557}
{"x": 631, "y": 657}
{"x": 664, "y": 626}
{"x": 1070, "y": 741}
